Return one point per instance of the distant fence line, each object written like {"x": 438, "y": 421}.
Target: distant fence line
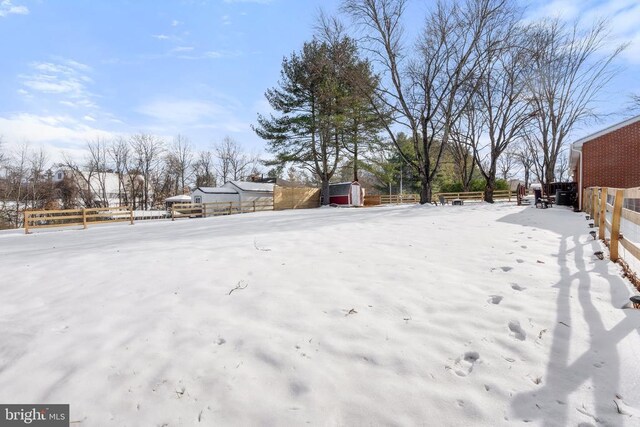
{"x": 382, "y": 199}
{"x": 203, "y": 210}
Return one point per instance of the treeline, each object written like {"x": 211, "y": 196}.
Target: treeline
{"x": 138, "y": 171}
{"x": 478, "y": 88}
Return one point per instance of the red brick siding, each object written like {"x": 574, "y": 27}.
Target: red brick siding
{"x": 613, "y": 159}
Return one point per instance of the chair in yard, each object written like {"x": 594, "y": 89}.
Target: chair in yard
{"x": 443, "y": 201}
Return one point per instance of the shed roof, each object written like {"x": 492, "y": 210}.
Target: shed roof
{"x": 216, "y": 190}
{"x": 251, "y": 186}
{"x": 179, "y": 198}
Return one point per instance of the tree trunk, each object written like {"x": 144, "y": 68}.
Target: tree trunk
{"x": 425, "y": 191}
{"x": 325, "y": 191}
{"x": 490, "y": 188}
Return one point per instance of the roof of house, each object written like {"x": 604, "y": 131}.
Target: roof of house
{"x": 179, "y": 198}
{"x": 577, "y": 145}
{"x": 250, "y": 186}
{"x": 216, "y": 190}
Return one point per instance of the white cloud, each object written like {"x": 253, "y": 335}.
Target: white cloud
{"x": 8, "y": 8}
{"x": 623, "y": 17}
{"x": 160, "y": 36}
{"x": 174, "y": 115}
{"x": 175, "y": 23}
{"x": 64, "y": 79}
{"x": 52, "y": 132}
{"x": 226, "y": 20}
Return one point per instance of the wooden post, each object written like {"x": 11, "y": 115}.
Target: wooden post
{"x": 615, "y": 224}
{"x": 131, "y": 214}
{"x": 594, "y": 203}
{"x": 173, "y": 212}
{"x": 84, "y": 218}
{"x": 254, "y": 205}
{"x": 26, "y": 222}
{"x": 602, "y": 215}
{"x": 204, "y": 210}
{"x": 230, "y": 207}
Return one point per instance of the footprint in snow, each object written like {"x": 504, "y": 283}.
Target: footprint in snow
{"x": 524, "y": 246}
{"x": 516, "y": 330}
{"x": 464, "y": 364}
{"x": 517, "y": 287}
{"x": 519, "y": 261}
{"x": 494, "y": 299}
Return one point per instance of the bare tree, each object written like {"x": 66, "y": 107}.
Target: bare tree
{"x": 232, "y": 162}
{"x": 502, "y": 96}
{"x": 562, "y": 167}
{"x": 147, "y": 153}
{"x": 119, "y": 153}
{"x": 180, "y": 159}
{"x": 465, "y": 134}
{"x": 204, "y": 170}
{"x": 569, "y": 69}
{"x": 507, "y": 163}
{"x": 96, "y": 165}
{"x": 524, "y": 157}
{"x": 428, "y": 92}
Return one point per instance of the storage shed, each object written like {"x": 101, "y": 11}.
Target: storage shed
{"x": 214, "y": 195}
{"x": 346, "y": 194}
{"x": 251, "y": 191}
{"x": 170, "y": 201}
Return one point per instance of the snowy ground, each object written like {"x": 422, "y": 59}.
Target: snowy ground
{"x": 472, "y": 315}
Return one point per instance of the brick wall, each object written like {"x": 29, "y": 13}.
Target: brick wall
{"x": 613, "y": 159}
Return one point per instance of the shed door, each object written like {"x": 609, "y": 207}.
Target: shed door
{"x": 355, "y": 195}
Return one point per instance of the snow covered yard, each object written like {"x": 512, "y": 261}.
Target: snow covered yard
{"x": 473, "y": 315}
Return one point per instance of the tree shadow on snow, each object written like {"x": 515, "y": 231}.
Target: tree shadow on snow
{"x": 600, "y": 364}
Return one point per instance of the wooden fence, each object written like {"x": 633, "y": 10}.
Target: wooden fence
{"x": 375, "y": 200}
{"x": 471, "y": 195}
{"x": 621, "y": 204}
{"x": 295, "y": 198}
{"x": 390, "y": 199}
{"x": 203, "y": 210}
{"x": 71, "y": 217}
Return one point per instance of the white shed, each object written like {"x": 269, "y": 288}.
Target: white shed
{"x": 214, "y": 195}
{"x": 251, "y": 191}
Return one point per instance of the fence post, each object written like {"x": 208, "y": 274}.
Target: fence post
{"x": 615, "y": 224}
{"x": 173, "y": 212}
{"x": 131, "y": 214}
{"x": 230, "y": 207}
{"x": 204, "y": 210}
{"x": 594, "y": 202}
{"x": 602, "y": 215}
{"x": 509, "y": 194}
{"x": 254, "y": 205}
{"x": 84, "y": 218}
{"x": 26, "y": 222}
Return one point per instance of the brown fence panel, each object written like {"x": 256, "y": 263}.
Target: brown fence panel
{"x": 295, "y": 198}
{"x": 70, "y": 217}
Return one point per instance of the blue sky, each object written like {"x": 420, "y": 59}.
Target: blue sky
{"x": 75, "y": 70}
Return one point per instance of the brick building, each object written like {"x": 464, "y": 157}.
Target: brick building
{"x": 608, "y": 158}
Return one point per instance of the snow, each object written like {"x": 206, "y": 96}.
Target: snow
{"x": 407, "y": 315}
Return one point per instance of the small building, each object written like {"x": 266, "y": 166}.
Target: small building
{"x": 608, "y": 158}
{"x": 170, "y": 201}
{"x": 214, "y": 195}
{"x": 251, "y": 191}
{"x": 346, "y": 194}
